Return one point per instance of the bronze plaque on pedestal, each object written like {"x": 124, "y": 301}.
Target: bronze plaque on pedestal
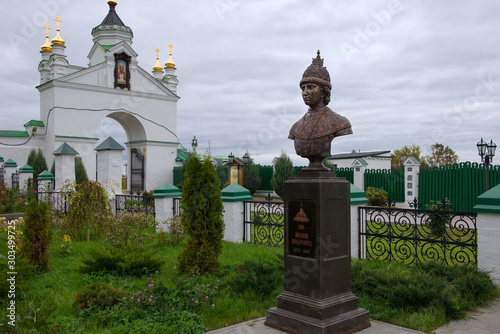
{"x": 302, "y": 228}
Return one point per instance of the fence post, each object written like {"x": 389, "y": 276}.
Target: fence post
{"x": 357, "y": 199}
{"x": 45, "y": 181}
{"x": 25, "y": 174}
{"x": 233, "y": 197}
{"x": 412, "y": 169}
{"x": 164, "y": 202}
{"x": 359, "y": 172}
{"x": 9, "y": 169}
{"x": 488, "y": 230}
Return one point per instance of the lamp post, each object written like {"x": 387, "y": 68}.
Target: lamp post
{"x": 486, "y": 152}
{"x": 246, "y": 157}
{"x": 231, "y": 157}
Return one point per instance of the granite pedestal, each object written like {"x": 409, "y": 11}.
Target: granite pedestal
{"x": 317, "y": 295}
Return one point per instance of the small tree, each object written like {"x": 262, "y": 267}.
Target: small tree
{"x": 89, "y": 207}
{"x": 251, "y": 178}
{"x": 36, "y": 235}
{"x": 283, "y": 170}
{"x": 80, "y": 171}
{"x": 37, "y": 160}
{"x": 201, "y": 218}
{"x": 399, "y": 157}
{"x": 221, "y": 174}
{"x": 440, "y": 156}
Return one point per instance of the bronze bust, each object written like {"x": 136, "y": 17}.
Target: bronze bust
{"x": 314, "y": 132}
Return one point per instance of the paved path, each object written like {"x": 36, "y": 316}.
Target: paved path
{"x": 484, "y": 321}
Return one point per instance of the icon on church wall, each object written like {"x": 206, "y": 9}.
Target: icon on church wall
{"x": 122, "y": 70}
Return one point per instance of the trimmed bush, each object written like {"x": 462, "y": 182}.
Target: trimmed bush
{"x": 99, "y": 296}
{"x": 376, "y": 196}
{"x": 251, "y": 178}
{"x": 201, "y": 218}
{"x": 36, "y": 235}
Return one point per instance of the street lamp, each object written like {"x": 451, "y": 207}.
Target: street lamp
{"x": 246, "y": 157}
{"x": 231, "y": 157}
{"x": 486, "y": 152}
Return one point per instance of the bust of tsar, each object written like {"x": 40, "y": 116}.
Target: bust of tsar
{"x": 314, "y": 132}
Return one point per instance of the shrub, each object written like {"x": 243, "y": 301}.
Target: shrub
{"x": 66, "y": 245}
{"x": 283, "y": 170}
{"x": 98, "y": 295}
{"x": 127, "y": 230}
{"x": 201, "y": 206}
{"x": 439, "y": 219}
{"x": 111, "y": 260}
{"x": 36, "y": 159}
{"x": 251, "y": 178}
{"x": 175, "y": 233}
{"x": 80, "y": 171}
{"x": 36, "y": 235}
{"x": 261, "y": 277}
{"x": 376, "y": 196}
{"x": 89, "y": 207}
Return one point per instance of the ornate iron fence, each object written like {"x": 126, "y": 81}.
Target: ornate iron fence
{"x": 414, "y": 236}
{"x": 134, "y": 204}
{"x": 59, "y": 201}
{"x": 264, "y": 222}
{"x": 15, "y": 180}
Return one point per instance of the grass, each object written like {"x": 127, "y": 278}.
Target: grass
{"x": 420, "y": 298}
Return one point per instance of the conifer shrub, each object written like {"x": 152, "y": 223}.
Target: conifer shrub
{"x": 221, "y": 174}
{"x": 201, "y": 218}
{"x": 251, "y": 178}
{"x": 376, "y": 196}
{"x": 80, "y": 171}
{"x": 36, "y": 235}
{"x": 89, "y": 208}
{"x": 98, "y": 295}
{"x": 36, "y": 159}
{"x": 283, "y": 170}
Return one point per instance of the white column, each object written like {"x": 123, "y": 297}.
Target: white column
{"x": 412, "y": 169}
{"x": 164, "y": 204}
{"x": 233, "y": 199}
{"x": 65, "y": 169}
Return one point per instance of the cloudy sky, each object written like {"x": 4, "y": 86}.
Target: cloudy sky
{"x": 403, "y": 72}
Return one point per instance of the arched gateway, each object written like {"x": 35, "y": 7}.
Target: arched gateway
{"x": 74, "y": 100}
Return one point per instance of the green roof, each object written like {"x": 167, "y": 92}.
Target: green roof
{"x": 183, "y": 155}
{"x": 106, "y": 47}
{"x": 35, "y": 123}
{"x": 10, "y": 163}
{"x": 45, "y": 175}
{"x": 235, "y": 193}
{"x": 109, "y": 144}
{"x": 65, "y": 149}
{"x": 13, "y": 133}
{"x": 26, "y": 169}
{"x": 1, "y": 158}
{"x": 166, "y": 190}
{"x": 489, "y": 202}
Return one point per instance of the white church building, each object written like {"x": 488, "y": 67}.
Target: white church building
{"x": 75, "y": 99}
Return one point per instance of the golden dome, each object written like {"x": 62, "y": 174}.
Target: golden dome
{"x": 46, "y": 46}
{"x": 112, "y": 2}
{"x": 157, "y": 67}
{"x": 170, "y": 62}
{"x": 58, "y": 39}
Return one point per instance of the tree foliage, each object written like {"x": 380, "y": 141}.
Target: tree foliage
{"x": 89, "y": 207}
{"x": 201, "y": 218}
{"x": 283, "y": 170}
{"x": 251, "y": 178}
{"x": 80, "y": 171}
{"x": 36, "y": 235}
{"x": 36, "y": 159}
{"x": 399, "y": 156}
{"x": 440, "y": 156}
{"x": 221, "y": 174}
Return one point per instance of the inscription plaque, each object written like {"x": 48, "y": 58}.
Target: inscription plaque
{"x": 302, "y": 228}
